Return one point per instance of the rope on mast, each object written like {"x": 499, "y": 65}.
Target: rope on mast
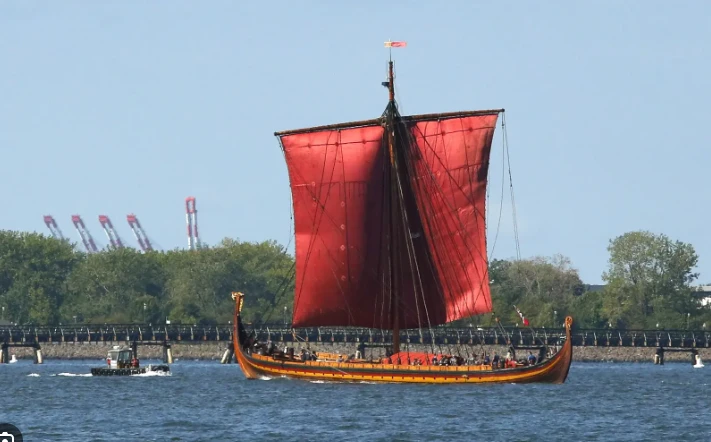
{"x": 513, "y": 200}
{"x": 503, "y": 182}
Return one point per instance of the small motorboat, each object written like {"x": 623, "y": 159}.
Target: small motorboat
{"x": 121, "y": 361}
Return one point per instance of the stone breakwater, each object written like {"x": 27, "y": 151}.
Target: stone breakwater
{"x": 98, "y": 350}
{"x": 214, "y": 351}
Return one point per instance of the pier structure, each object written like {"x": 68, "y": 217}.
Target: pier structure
{"x": 38, "y": 358}
{"x": 520, "y": 338}
{"x": 279, "y": 333}
{"x": 167, "y": 348}
{"x": 6, "y": 346}
{"x": 659, "y": 354}
{"x": 229, "y": 356}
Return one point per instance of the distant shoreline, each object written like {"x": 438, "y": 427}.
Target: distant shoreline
{"x": 214, "y": 351}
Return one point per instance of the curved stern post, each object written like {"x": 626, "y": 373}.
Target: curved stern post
{"x": 567, "y": 350}
{"x": 239, "y": 337}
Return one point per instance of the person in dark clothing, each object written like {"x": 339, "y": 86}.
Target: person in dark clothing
{"x": 531, "y": 359}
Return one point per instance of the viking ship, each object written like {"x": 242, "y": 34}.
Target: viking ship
{"x": 390, "y": 229}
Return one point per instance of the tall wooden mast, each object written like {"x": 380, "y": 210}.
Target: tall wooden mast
{"x": 395, "y": 214}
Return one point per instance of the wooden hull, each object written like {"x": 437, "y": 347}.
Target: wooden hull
{"x": 254, "y": 366}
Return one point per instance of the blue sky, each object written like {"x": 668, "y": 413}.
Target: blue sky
{"x": 115, "y": 107}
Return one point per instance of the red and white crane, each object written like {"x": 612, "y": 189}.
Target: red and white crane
{"x": 191, "y": 219}
{"x": 108, "y": 227}
{"x": 84, "y": 234}
{"x": 139, "y": 233}
{"x": 53, "y": 227}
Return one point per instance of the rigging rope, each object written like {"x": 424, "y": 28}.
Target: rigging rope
{"x": 277, "y": 297}
{"x": 410, "y": 245}
{"x": 513, "y": 200}
{"x": 290, "y": 273}
{"x": 506, "y": 166}
{"x": 513, "y": 208}
{"x": 503, "y": 182}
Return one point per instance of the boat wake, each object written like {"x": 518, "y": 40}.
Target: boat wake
{"x": 150, "y": 374}
{"x": 33, "y": 375}
{"x": 73, "y": 375}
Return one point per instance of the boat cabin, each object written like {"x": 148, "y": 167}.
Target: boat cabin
{"x": 120, "y": 357}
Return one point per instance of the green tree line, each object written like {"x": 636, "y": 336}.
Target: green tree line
{"x": 46, "y": 281}
{"x": 649, "y": 284}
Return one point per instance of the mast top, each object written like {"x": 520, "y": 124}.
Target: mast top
{"x": 390, "y": 84}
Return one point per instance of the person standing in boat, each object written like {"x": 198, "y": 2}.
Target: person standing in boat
{"x": 531, "y": 359}
{"x": 541, "y": 354}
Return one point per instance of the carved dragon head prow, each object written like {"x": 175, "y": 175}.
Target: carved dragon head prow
{"x": 568, "y": 322}
{"x": 238, "y": 297}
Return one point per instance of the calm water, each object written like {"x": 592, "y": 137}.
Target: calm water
{"x": 206, "y": 401}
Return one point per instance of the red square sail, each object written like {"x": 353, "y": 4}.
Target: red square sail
{"x": 339, "y": 185}
{"x": 450, "y": 188}
{"x": 336, "y": 180}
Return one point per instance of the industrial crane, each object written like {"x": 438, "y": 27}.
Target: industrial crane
{"x": 53, "y": 227}
{"x": 191, "y": 219}
{"x": 108, "y": 227}
{"x": 84, "y": 234}
{"x": 139, "y": 233}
